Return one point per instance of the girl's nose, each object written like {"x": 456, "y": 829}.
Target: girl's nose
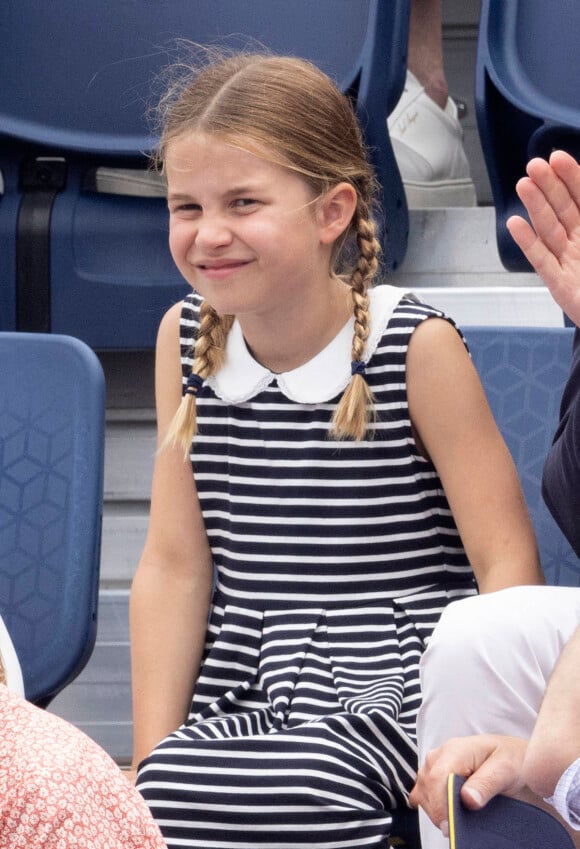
{"x": 213, "y": 232}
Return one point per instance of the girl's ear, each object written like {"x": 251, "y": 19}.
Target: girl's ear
{"x": 335, "y": 211}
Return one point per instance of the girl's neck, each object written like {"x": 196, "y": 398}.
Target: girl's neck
{"x": 282, "y": 344}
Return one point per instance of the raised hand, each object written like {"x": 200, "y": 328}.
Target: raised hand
{"x": 551, "y": 195}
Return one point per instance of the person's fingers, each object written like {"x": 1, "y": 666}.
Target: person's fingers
{"x": 568, "y": 170}
{"x": 558, "y": 198}
{"x": 461, "y": 755}
{"x": 545, "y": 203}
{"x": 430, "y": 790}
{"x": 492, "y": 764}
{"x": 534, "y": 249}
{"x": 501, "y": 772}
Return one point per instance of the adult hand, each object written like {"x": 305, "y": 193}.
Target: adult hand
{"x": 491, "y": 764}
{"x": 551, "y": 195}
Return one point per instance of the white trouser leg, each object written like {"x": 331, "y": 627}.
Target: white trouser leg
{"x": 487, "y": 665}
{"x": 10, "y": 662}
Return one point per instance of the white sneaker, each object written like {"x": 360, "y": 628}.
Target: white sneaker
{"x": 428, "y": 145}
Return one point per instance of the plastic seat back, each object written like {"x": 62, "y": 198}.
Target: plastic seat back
{"x": 51, "y": 487}
{"x": 78, "y": 80}
{"x": 524, "y": 371}
{"x": 527, "y": 96}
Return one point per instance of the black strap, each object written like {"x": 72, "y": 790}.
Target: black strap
{"x": 41, "y": 179}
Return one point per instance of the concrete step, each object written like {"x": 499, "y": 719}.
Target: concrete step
{"x": 99, "y": 701}
{"x": 130, "y": 445}
{"x": 453, "y": 263}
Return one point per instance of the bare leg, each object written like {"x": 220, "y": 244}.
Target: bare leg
{"x": 426, "y": 49}
{"x": 424, "y": 127}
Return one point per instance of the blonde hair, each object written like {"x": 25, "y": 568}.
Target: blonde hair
{"x": 288, "y": 107}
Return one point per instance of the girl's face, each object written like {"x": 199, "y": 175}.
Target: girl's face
{"x": 243, "y": 231}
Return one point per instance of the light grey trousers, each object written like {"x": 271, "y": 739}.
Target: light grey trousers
{"x": 487, "y": 665}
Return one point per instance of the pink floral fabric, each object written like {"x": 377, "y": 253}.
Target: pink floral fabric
{"x": 59, "y": 790}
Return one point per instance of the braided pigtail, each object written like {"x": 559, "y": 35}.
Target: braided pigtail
{"x": 355, "y": 410}
{"x": 209, "y": 353}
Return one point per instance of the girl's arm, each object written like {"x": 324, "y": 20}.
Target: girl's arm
{"x": 456, "y": 429}
{"x": 172, "y": 586}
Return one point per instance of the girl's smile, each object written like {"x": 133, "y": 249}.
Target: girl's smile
{"x": 251, "y": 237}
{"x": 221, "y": 268}
{"x": 237, "y": 218}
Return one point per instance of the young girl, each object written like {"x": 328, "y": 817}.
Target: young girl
{"x": 346, "y": 482}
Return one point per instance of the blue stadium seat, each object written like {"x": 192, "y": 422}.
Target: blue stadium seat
{"x": 77, "y": 81}
{"x": 524, "y": 371}
{"x": 527, "y": 96}
{"x": 52, "y": 411}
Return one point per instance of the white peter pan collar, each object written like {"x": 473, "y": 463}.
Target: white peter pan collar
{"x": 323, "y": 377}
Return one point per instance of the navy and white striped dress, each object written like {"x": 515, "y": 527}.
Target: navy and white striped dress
{"x": 334, "y": 561}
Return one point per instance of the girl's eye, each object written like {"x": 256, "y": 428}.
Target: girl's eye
{"x": 185, "y": 209}
{"x": 244, "y": 203}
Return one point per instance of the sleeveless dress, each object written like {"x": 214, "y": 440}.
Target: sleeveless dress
{"x": 334, "y": 560}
